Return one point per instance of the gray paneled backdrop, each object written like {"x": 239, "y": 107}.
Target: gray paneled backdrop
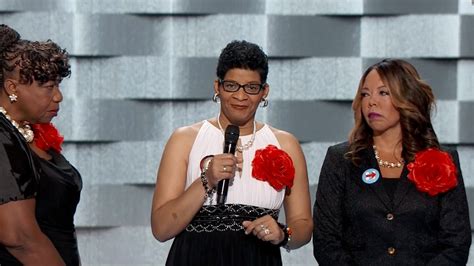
{"x": 141, "y": 68}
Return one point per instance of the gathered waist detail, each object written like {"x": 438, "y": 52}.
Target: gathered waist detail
{"x": 227, "y": 217}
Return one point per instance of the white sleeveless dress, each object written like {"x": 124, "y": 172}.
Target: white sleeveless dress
{"x": 216, "y": 236}
{"x": 244, "y": 189}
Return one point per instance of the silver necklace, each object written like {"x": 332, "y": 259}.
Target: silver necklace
{"x": 247, "y": 145}
{"x": 24, "y": 130}
{"x": 387, "y": 164}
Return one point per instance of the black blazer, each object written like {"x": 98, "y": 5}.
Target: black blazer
{"x": 358, "y": 224}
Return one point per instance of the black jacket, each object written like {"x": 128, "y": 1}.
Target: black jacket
{"x": 356, "y": 223}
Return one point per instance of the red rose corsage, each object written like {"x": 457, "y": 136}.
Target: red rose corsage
{"x": 47, "y": 137}
{"x": 274, "y": 166}
{"x": 433, "y": 171}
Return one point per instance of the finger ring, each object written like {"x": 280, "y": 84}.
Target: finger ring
{"x": 224, "y": 168}
{"x": 266, "y": 231}
{"x": 262, "y": 226}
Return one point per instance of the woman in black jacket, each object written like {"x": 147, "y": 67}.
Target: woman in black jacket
{"x": 391, "y": 195}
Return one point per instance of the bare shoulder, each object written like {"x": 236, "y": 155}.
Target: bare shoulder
{"x": 185, "y": 132}
{"x": 287, "y": 140}
{"x": 185, "y": 135}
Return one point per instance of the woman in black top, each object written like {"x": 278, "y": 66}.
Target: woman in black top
{"x": 39, "y": 190}
{"x": 391, "y": 195}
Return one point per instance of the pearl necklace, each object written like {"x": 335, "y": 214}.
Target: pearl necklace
{"x": 247, "y": 145}
{"x": 387, "y": 164}
{"x": 24, "y": 130}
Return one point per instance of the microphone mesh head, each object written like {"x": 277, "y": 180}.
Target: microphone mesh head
{"x": 232, "y": 133}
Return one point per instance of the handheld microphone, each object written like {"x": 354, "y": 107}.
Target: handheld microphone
{"x": 230, "y": 143}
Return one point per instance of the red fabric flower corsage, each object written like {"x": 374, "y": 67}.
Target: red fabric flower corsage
{"x": 47, "y": 137}
{"x": 274, "y": 166}
{"x": 433, "y": 171}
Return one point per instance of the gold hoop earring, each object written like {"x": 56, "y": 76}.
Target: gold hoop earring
{"x": 215, "y": 98}
{"x": 264, "y": 103}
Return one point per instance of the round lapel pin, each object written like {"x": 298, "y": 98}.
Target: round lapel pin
{"x": 370, "y": 176}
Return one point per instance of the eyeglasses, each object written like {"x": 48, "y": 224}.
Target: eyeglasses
{"x": 232, "y": 86}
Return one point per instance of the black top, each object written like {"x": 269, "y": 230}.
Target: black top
{"x": 18, "y": 176}
{"x": 58, "y": 195}
{"x": 356, "y": 223}
{"x": 55, "y": 184}
{"x": 390, "y": 185}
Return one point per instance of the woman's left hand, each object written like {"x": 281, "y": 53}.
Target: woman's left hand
{"x": 265, "y": 228}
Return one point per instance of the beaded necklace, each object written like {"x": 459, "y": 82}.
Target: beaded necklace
{"x": 24, "y": 130}
{"x": 387, "y": 164}
{"x": 247, "y": 145}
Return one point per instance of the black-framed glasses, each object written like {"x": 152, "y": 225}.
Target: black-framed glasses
{"x": 250, "y": 88}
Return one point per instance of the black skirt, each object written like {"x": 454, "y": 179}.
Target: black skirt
{"x": 216, "y": 237}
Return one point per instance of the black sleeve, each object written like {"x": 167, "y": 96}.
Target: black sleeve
{"x": 17, "y": 175}
{"x": 455, "y": 229}
{"x": 328, "y": 213}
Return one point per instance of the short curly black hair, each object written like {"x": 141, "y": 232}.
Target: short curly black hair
{"x": 36, "y": 61}
{"x": 244, "y": 55}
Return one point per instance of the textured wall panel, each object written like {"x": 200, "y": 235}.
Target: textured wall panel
{"x": 467, "y": 36}
{"x": 106, "y": 120}
{"x": 410, "y": 36}
{"x": 57, "y": 26}
{"x": 192, "y": 78}
{"x": 131, "y": 245}
{"x": 311, "y": 7}
{"x": 466, "y": 130}
{"x": 114, "y": 120}
{"x": 35, "y": 5}
{"x": 124, "y": 6}
{"x": 131, "y": 162}
{"x": 314, "y": 78}
{"x": 387, "y": 7}
{"x": 141, "y": 77}
{"x": 445, "y": 121}
{"x": 188, "y": 7}
{"x": 94, "y": 34}
{"x": 95, "y": 209}
{"x": 314, "y": 153}
{"x": 218, "y": 6}
{"x": 324, "y": 121}
{"x": 466, "y": 79}
{"x": 107, "y": 35}
{"x": 466, "y": 157}
{"x": 466, "y": 7}
{"x": 206, "y": 36}
{"x": 298, "y": 36}
{"x": 441, "y": 75}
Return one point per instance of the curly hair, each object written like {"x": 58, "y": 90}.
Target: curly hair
{"x": 35, "y": 61}
{"x": 245, "y": 55}
{"x": 412, "y": 98}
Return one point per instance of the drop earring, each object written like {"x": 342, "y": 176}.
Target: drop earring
{"x": 264, "y": 102}
{"x": 13, "y": 97}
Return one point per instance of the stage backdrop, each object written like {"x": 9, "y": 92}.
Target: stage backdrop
{"x": 142, "y": 68}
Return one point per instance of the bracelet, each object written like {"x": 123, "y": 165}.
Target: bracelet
{"x": 204, "y": 166}
{"x": 286, "y": 240}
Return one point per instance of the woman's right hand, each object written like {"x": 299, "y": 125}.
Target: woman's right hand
{"x": 222, "y": 166}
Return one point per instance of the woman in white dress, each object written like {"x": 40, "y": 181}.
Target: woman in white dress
{"x": 267, "y": 171}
